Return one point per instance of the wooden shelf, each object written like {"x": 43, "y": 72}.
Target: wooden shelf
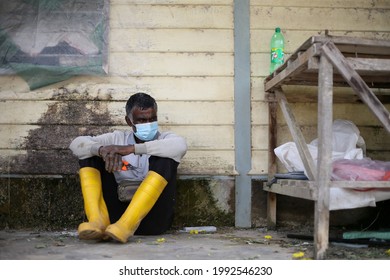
{"x": 369, "y": 58}
{"x": 325, "y": 62}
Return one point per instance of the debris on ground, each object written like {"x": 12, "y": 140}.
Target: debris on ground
{"x": 224, "y": 243}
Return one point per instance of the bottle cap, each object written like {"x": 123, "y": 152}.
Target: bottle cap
{"x": 277, "y": 29}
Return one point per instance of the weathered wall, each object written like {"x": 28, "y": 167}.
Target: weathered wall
{"x": 179, "y": 51}
{"x": 53, "y": 203}
{"x": 182, "y": 52}
{"x": 299, "y": 20}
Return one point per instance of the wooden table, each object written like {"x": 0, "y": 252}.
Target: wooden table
{"x": 324, "y": 62}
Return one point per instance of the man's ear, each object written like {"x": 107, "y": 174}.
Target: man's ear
{"x": 128, "y": 121}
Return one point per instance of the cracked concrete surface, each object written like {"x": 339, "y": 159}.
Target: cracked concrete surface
{"x": 233, "y": 244}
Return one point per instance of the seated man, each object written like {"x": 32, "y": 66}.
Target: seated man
{"x": 144, "y": 156}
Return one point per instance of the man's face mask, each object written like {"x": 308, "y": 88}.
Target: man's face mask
{"x": 146, "y": 131}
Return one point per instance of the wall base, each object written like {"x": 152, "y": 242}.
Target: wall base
{"x": 55, "y": 202}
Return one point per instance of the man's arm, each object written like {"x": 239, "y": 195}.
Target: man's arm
{"x": 109, "y": 146}
{"x": 169, "y": 145}
{"x": 112, "y": 155}
{"x": 88, "y": 146}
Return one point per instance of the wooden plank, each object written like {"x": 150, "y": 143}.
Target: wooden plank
{"x": 271, "y": 208}
{"x": 356, "y": 82}
{"x": 296, "y": 133}
{"x": 259, "y": 133}
{"x": 306, "y": 114}
{"x": 375, "y": 137}
{"x": 375, "y": 72}
{"x": 257, "y": 86}
{"x": 294, "y": 188}
{"x": 213, "y": 163}
{"x": 296, "y": 37}
{"x": 272, "y": 136}
{"x": 357, "y": 46}
{"x": 309, "y": 78}
{"x": 290, "y": 68}
{"x": 208, "y": 163}
{"x": 308, "y": 94}
{"x": 312, "y": 185}
{"x": 110, "y": 113}
{"x": 324, "y": 162}
{"x": 364, "y": 66}
{"x": 175, "y": 2}
{"x": 45, "y": 137}
{"x": 171, "y": 64}
{"x": 320, "y": 18}
{"x": 120, "y": 88}
{"x": 259, "y": 113}
{"x": 171, "y": 16}
{"x": 361, "y": 185}
{"x": 319, "y": 3}
{"x": 259, "y": 162}
{"x": 40, "y": 162}
{"x": 171, "y": 40}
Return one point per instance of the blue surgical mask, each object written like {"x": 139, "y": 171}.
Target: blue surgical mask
{"x": 146, "y": 131}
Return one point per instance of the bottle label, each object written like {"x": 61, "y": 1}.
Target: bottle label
{"x": 277, "y": 56}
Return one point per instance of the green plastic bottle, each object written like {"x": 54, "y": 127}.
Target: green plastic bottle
{"x": 277, "y": 50}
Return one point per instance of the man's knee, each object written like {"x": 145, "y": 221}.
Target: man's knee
{"x": 166, "y": 167}
{"x": 95, "y": 162}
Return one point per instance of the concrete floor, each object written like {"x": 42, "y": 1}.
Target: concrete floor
{"x": 48, "y": 255}
{"x": 224, "y": 244}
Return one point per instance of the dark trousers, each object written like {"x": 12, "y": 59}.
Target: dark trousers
{"x": 160, "y": 217}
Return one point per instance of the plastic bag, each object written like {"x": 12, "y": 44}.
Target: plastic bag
{"x": 361, "y": 170}
{"x": 346, "y": 144}
{"x": 47, "y": 41}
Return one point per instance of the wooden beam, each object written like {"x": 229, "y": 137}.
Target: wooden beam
{"x": 288, "y": 184}
{"x": 363, "y": 66}
{"x": 293, "y": 67}
{"x": 272, "y": 136}
{"x": 324, "y": 161}
{"x": 357, "y": 83}
{"x": 297, "y": 135}
{"x": 300, "y": 189}
{"x": 362, "y": 185}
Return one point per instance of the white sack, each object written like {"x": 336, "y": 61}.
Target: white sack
{"x": 345, "y": 145}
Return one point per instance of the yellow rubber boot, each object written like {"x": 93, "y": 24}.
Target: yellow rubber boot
{"x": 142, "y": 202}
{"x": 94, "y": 205}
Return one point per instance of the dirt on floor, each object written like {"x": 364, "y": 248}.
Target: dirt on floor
{"x": 339, "y": 248}
{"x": 225, "y": 243}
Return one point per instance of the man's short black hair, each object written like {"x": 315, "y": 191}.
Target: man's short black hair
{"x": 140, "y": 100}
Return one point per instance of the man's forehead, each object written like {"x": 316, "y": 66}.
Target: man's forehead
{"x": 144, "y": 111}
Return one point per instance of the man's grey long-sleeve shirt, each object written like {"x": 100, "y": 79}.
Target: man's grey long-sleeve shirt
{"x": 166, "y": 144}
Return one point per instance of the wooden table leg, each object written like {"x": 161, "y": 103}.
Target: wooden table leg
{"x": 271, "y": 210}
{"x": 272, "y": 136}
{"x": 324, "y": 162}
